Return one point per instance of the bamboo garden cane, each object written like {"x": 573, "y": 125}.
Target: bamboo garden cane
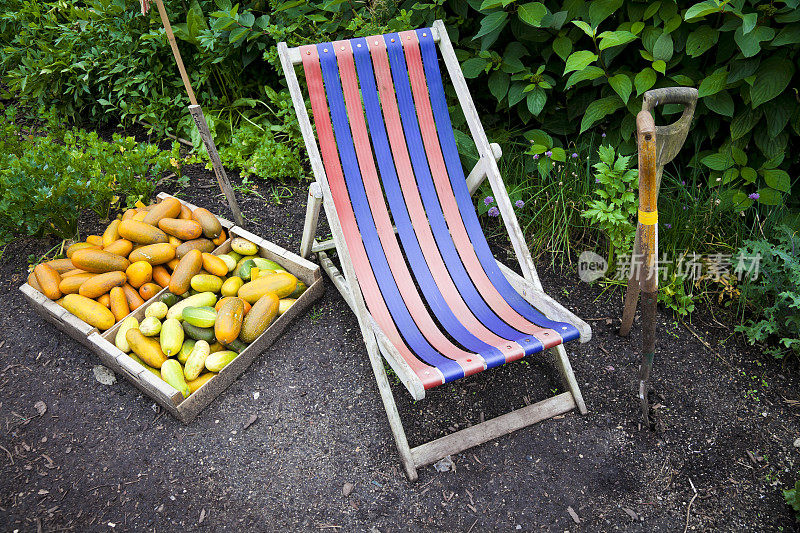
{"x": 666, "y": 143}
{"x": 198, "y": 116}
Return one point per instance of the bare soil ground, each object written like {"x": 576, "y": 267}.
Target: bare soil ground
{"x": 104, "y": 458}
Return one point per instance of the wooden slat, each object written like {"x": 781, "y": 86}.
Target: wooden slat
{"x": 459, "y": 441}
{"x": 312, "y": 219}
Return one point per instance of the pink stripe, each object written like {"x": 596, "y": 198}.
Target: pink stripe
{"x": 470, "y": 362}
{"x": 430, "y": 376}
{"x": 448, "y": 201}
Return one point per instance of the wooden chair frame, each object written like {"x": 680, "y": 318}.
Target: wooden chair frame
{"x": 377, "y": 344}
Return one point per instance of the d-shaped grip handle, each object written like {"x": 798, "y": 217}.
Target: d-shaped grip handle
{"x": 687, "y": 96}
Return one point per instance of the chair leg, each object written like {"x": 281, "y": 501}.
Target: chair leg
{"x": 391, "y": 411}
{"x": 566, "y": 371}
{"x": 312, "y": 216}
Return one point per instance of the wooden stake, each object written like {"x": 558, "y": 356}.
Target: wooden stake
{"x": 200, "y": 120}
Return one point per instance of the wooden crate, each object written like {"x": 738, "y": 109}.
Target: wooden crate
{"x": 102, "y": 343}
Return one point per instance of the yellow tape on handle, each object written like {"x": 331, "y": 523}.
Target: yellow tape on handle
{"x": 648, "y": 218}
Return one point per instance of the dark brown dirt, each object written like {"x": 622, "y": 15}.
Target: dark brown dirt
{"x": 104, "y": 458}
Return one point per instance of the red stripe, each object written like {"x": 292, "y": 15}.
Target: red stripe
{"x": 447, "y": 199}
{"x": 430, "y": 376}
{"x": 470, "y": 362}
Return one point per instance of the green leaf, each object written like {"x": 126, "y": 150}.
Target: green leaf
{"x": 651, "y": 9}
{"x": 562, "y": 46}
{"x": 663, "y": 47}
{"x": 788, "y": 35}
{"x": 491, "y": 22}
{"x": 644, "y": 80}
{"x": 591, "y": 72}
{"x": 539, "y": 137}
{"x": 615, "y": 38}
{"x": 701, "y": 9}
{"x": 588, "y": 30}
{"x": 749, "y": 22}
{"x": 713, "y": 83}
{"x": 473, "y": 67}
{"x": 536, "y": 100}
{"x": 700, "y": 40}
{"x": 720, "y": 103}
{"x": 777, "y": 179}
{"x": 579, "y": 60}
{"x": 498, "y": 84}
{"x": 237, "y": 33}
{"x": 748, "y": 174}
{"x": 532, "y": 13}
{"x": 718, "y": 161}
{"x": 511, "y": 57}
{"x": 660, "y": 66}
{"x": 599, "y": 10}
{"x": 516, "y": 94}
{"x": 622, "y": 85}
{"x": 768, "y": 196}
{"x": 490, "y": 4}
{"x": 743, "y": 123}
{"x": 773, "y": 77}
{"x": 598, "y": 109}
{"x": 739, "y": 156}
{"x": 750, "y": 44}
{"x": 558, "y": 154}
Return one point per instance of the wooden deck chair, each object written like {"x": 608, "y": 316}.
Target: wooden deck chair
{"x": 429, "y": 296}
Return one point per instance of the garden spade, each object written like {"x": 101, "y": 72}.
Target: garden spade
{"x": 197, "y": 114}
{"x": 658, "y": 145}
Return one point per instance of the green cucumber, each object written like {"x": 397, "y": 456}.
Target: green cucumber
{"x": 219, "y": 360}
{"x": 171, "y": 337}
{"x": 186, "y": 350}
{"x": 198, "y": 300}
{"x": 172, "y": 373}
{"x": 199, "y": 334}
{"x": 202, "y": 317}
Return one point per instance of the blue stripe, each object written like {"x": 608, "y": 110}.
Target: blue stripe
{"x": 391, "y": 294}
{"x": 459, "y": 184}
{"x": 433, "y": 208}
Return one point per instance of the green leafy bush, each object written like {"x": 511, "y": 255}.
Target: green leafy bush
{"x": 48, "y": 181}
{"x": 618, "y": 202}
{"x": 792, "y": 497}
{"x": 574, "y": 65}
{"x": 775, "y": 295}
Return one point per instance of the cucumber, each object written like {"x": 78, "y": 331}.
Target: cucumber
{"x": 267, "y": 264}
{"x": 172, "y": 373}
{"x": 233, "y": 255}
{"x": 245, "y": 269}
{"x": 202, "y": 317}
{"x": 231, "y": 286}
{"x": 198, "y": 334}
{"x": 169, "y": 299}
{"x": 197, "y": 360}
{"x": 198, "y": 300}
{"x": 236, "y": 346}
{"x": 300, "y": 289}
{"x": 243, "y": 246}
{"x": 199, "y": 382}
{"x": 145, "y": 347}
{"x": 219, "y": 360}
{"x": 229, "y": 261}
{"x": 284, "y": 305}
{"x": 120, "y": 341}
{"x": 171, "y": 337}
{"x": 186, "y": 350}
{"x": 150, "y": 326}
{"x": 157, "y": 310}
{"x": 206, "y": 283}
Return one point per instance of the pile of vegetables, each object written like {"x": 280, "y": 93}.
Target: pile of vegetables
{"x": 105, "y": 278}
{"x": 214, "y": 305}
{"x": 207, "y": 317}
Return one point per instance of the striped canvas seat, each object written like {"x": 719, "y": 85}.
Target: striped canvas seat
{"x": 390, "y": 156}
